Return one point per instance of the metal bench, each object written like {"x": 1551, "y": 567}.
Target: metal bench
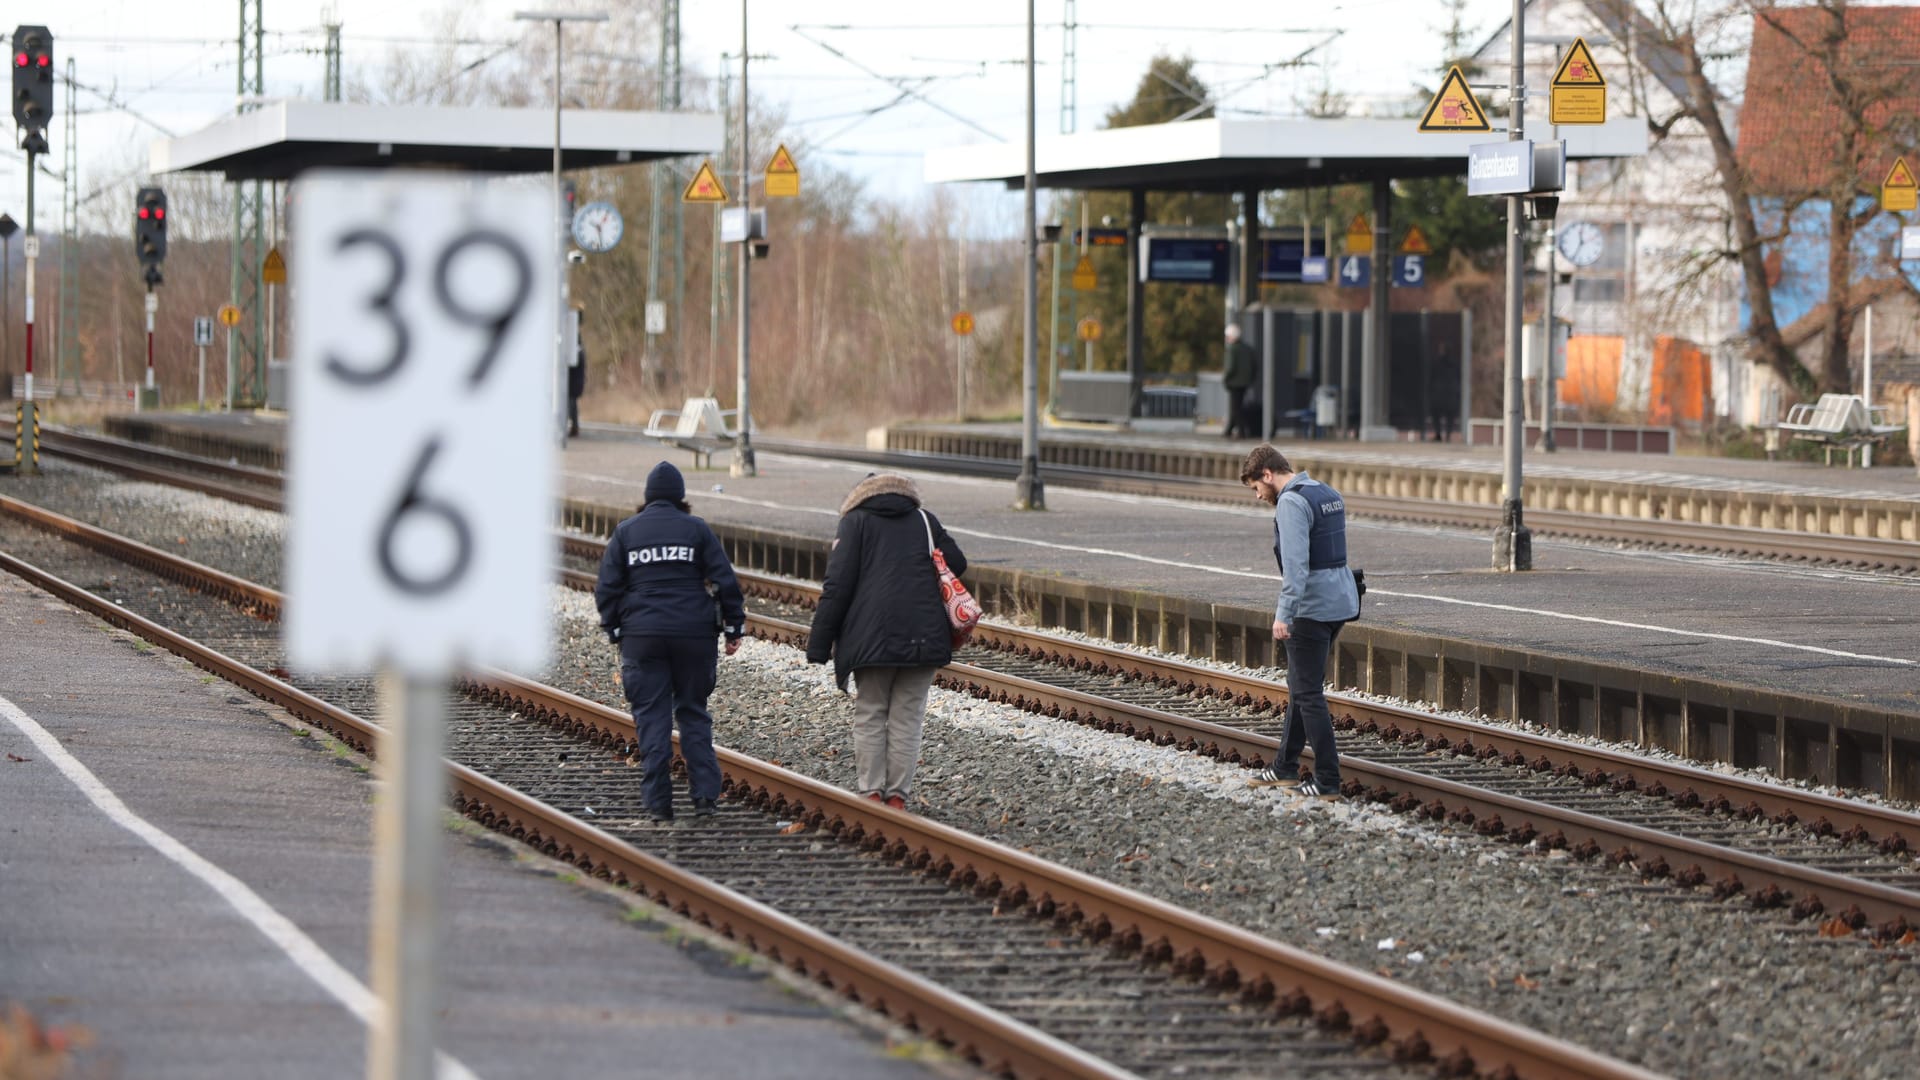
{"x": 699, "y": 426}
{"x": 1842, "y": 422}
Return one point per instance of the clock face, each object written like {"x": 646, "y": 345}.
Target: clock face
{"x": 597, "y": 226}
{"x": 1582, "y": 243}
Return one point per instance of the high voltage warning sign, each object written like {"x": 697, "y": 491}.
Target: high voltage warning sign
{"x": 783, "y": 176}
{"x": 1578, "y": 94}
{"x": 1454, "y": 108}
{"x": 1899, "y": 191}
{"x": 705, "y": 186}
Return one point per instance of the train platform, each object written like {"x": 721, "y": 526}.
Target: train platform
{"x": 1700, "y": 471}
{"x": 186, "y": 876}
{"x": 1809, "y": 671}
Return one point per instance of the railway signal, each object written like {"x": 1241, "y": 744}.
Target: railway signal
{"x": 150, "y": 231}
{"x": 33, "y": 85}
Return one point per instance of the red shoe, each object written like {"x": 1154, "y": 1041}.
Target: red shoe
{"x": 898, "y": 802}
{"x": 875, "y": 796}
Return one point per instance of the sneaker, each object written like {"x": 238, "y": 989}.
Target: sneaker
{"x": 664, "y": 817}
{"x": 1274, "y": 778}
{"x": 704, "y": 808}
{"x": 1311, "y": 789}
{"x": 898, "y": 802}
{"x": 875, "y": 796}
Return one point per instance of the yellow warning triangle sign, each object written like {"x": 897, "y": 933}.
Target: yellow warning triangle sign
{"x": 783, "y": 176}
{"x": 1359, "y": 236}
{"x": 1085, "y": 278}
{"x": 782, "y": 162}
{"x": 1454, "y": 108}
{"x": 1578, "y": 69}
{"x": 705, "y": 186}
{"x": 1900, "y": 176}
{"x": 1415, "y": 243}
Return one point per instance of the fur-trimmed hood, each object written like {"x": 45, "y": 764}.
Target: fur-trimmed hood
{"x": 880, "y": 484}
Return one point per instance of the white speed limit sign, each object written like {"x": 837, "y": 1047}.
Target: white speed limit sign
{"x": 420, "y": 477}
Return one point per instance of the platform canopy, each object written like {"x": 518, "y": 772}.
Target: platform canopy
{"x": 281, "y": 139}
{"x": 1247, "y": 155}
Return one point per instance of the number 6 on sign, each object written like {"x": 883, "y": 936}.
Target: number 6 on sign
{"x": 420, "y": 479}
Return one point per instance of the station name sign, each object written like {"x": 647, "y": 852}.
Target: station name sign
{"x": 1502, "y": 168}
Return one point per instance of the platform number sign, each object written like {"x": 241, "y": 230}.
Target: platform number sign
{"x": 1409, "y": 271}
{"x": 1356, "y": 271}
{"x": 420, "y": 478}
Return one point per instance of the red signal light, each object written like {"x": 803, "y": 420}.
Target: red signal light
{"x": 160, "y": 213}
{"x": 143, "y": 213}
{"x": 46, "y": 61}
{"x": 20, "y": 59}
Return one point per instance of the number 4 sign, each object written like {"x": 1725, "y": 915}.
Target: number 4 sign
{"x": 421, "y": 463}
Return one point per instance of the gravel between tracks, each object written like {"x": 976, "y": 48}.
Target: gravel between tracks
{"x": 1679, "y": 984}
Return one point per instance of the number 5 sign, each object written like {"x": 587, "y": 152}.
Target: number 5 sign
{"x": 421, "y": 464}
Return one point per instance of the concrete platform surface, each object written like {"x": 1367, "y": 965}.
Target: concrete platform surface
{"x": 165, "y": 962}
{"x": 1828, "y": 633}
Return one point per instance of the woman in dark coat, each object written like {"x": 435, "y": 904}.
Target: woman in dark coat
{"x": 881, "y": 619}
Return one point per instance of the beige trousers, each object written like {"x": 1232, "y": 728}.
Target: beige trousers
{"x": 890, "y": 705}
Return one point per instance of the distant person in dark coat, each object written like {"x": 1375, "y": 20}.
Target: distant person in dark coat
{"x": 1240, "y": 373}
{"x": 576, "y": 385}
{"x": 881, "y": 620}
{"x": 655, "y": 603}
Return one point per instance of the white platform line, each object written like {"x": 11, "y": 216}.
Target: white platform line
{"x": 1273, "y": 579}
{"x": 305, "y": 953}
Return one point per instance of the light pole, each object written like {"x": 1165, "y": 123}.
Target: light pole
{"x": 1512, "y": 542}
{"x": 743, "y": 447}
{"x": 561, "y": 224}
{"x": 7, "y": 228}
{"x": 1029, "y": 491}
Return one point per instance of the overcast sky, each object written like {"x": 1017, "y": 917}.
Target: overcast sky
{"x": 173, "y": 64}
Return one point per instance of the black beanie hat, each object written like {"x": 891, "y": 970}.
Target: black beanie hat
{"x": 664, "y": 482}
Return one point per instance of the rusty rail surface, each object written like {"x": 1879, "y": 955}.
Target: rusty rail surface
{"x": 1688, "y": 786}
{"x": 1420, "y": 1027}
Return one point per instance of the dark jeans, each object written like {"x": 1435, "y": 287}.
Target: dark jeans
{"x": 1307, "y": 717}
{"x": 667, "y": 680}
{"x": 573, "y": 414}
{"x": 1243, "y": 413}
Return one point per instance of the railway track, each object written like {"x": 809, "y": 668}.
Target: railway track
{"x": 247, "y": 484}
{"x": 1028, "y": 968}
{"x": 1774, "y": 846}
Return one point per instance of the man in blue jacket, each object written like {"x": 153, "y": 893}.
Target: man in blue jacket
{"x": 1318, "y": 596}
{"x": 656, "y": 605}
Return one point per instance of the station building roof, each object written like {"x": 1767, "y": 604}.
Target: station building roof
{"x": 1238, "y": 155}
{"x": 281, "y": 139}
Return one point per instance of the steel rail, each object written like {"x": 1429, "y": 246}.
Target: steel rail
{"x": 1489, "y": 813}
{"x": 1688, "y": 786}
{"x": 1420, "y": 1027}
{"x": 974, "y": 1031}
{"x": 1741, "y": 540}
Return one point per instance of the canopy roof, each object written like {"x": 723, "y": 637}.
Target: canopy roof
{"x": 1238, "y": 155}
{"x": 281, "y": 139}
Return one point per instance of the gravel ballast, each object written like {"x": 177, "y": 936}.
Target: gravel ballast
{"x": 1673, "y": 981}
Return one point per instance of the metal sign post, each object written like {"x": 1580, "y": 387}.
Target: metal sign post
{"x": 421, "y": 552}
{"x": 202, "y": 337}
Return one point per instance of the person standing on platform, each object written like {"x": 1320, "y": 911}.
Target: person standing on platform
{"x": 1239, "y": 373}
{"x": 882, "y": 620}
{"x": 576, "y": 377}
{"x": 655, "y": 604}
{"x": 1318, "y": 596}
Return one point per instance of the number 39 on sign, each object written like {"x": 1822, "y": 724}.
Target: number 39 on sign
{"x": 421, "y": 465}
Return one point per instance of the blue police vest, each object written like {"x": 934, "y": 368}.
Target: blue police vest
{"x": 1326, "y": 537}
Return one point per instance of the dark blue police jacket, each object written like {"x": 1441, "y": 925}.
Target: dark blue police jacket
{"x": 654, "y": 576}
{"x": 1326, "y": 537}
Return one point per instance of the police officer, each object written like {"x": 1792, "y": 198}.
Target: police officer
{"x": 656, "y": 605}
{"x": 1318, "y": 596}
